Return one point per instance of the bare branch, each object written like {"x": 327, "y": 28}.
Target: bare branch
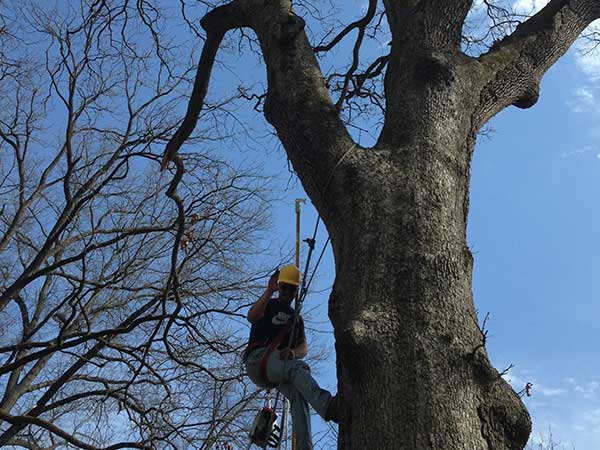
{"x": 360, "y": 24}
{"x": 22, "y": 421}
{"x": 216, "y": 23}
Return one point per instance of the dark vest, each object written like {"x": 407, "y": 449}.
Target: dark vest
{"x": 277, "y": 314}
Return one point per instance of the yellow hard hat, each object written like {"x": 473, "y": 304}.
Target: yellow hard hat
{"x": 289, "y": 274}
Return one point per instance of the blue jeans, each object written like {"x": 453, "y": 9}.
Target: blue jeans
{"x": 293, "y": 380}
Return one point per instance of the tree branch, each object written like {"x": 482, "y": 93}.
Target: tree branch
{"x": 514, "y": 66}
{"x": 355, "y": 52}
{"x": 23, "y": 421}
{"x": 298, "y": 103}
{"x": 361, "y": 24}
{"x": 216, "y": 23}
{"x": 10, "y": 433}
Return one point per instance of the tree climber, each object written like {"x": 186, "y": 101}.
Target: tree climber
{"x": 271, "y": 363}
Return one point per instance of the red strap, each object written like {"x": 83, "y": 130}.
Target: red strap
{"x": 252, "y": 347}
{"x": 274, "y": 344}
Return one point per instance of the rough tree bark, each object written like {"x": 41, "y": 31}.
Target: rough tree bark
{"x": 410, "y": 357}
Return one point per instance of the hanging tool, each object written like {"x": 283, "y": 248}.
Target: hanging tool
{"x": 265, "y": 432}
{"x": 299, "y": 201}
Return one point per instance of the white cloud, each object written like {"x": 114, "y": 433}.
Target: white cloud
{"x": 592, "y": 420}
{"x": 581, "y": 151}
{"x": 549, "y": 392}
{"x": 589, "y": 62}
{"x": 519, "y": 383}
{"x": 561, "y": 409}
{"x": 477, "y": 6}
{"x": 587, "y": 54}
{"x": 588, "y": 390}
{"x": 529, "y": 7}
{"x": 583, "y": 100}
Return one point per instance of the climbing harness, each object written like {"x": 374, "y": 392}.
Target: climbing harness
{"x": 270, "y": 349}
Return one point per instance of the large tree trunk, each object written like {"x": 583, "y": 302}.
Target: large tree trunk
{"x": 412, "y": 369}
{"x": 412, "y": 366}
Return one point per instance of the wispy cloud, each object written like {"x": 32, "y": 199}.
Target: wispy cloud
{"x": 587, "y": 52}
{"x": 477, "y": 6}
{"x": 565, "y": 408}
{"x": 581, "y": 151}
{"x": 583, "y": 100}
{"x": 592, "y": 420}
{"x": 549, "y": 392}
{"x": 529, "y": 7}
{"x": 518, "y": 383}
{"x": 589, "y": 390}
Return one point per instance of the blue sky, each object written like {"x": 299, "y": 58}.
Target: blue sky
{"x": 534, "y": 230}
{"x": 534, "y": 227}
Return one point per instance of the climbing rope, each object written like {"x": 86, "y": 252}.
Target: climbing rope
{"x": 311, "y": 241}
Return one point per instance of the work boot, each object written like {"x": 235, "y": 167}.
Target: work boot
{"x": 333, "y": 410}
